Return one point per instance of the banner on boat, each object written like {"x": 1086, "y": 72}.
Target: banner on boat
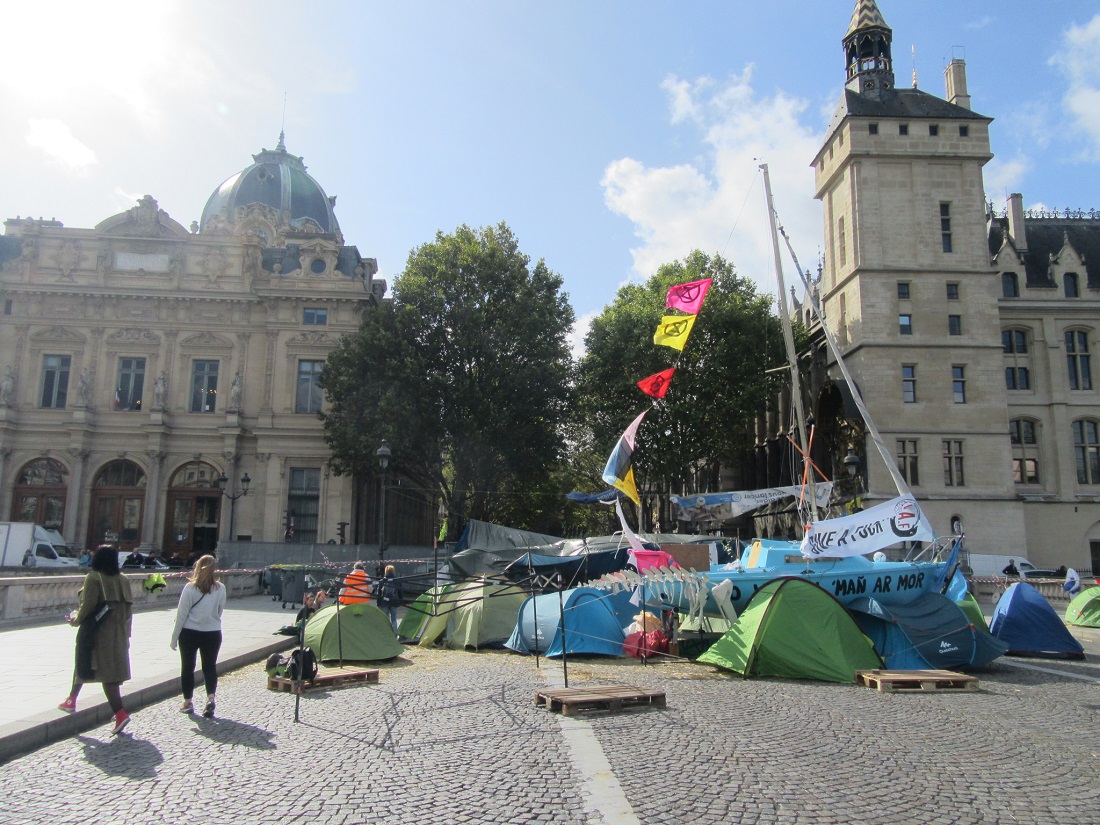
{"x": 894, "y": 521}
{"x": 723, "y": 506}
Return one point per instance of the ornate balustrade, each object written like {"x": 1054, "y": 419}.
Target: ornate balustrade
{"x": 30, "y": 598}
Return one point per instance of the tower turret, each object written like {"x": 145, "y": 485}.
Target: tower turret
{"x": 867, "y": 51}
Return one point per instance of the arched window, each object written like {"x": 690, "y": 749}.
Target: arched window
{"x": 39, "y": 494}
{"x": 194, "y": 511}
{"x": 1078, "y": 366}
{"x": 1025, "y": 450}
{"x": 1086, "y": 450}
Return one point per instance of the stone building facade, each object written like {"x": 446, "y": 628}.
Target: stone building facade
{"x": 143, "y": 362}
{"x": 969, "y": 333}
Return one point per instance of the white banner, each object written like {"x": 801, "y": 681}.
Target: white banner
{"x": 730, "y": 505}
{"x": 897, "y": 520}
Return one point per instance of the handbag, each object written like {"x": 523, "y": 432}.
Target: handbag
{"x": 85, "y": 638}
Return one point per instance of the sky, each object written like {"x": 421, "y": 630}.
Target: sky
{"x": 611, "y": 136}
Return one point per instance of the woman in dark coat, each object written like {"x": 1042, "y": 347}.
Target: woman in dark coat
{"x": 109, "y": 661}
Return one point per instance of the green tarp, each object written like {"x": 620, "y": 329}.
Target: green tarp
{"x": 793, "y": 629}
{"x": 973, "y": 611}
{"x": 419, "y": 613}
{"x": 363, "y": 634}
{"x": 1084, "y": 609}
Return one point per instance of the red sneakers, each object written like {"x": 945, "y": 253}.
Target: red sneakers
{"x": 122, "y": 719}
{"x": 69, "y": 705}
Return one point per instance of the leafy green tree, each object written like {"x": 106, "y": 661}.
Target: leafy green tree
{"x": 720, "y": 386}
{"x": 466, "y": 373}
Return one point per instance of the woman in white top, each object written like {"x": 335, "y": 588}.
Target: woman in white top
{"x": 199, "y": 630}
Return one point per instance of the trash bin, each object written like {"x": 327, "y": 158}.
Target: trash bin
{"x": 274, "y": 578}
{"x": 295, "y": 580}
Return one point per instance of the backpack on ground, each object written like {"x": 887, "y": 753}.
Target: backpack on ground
{"x": 302, "y": 665}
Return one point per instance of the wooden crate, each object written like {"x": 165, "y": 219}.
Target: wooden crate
{"x": 612, "y": 698}
{"x": 917, "y": 681}
{"x": 327, "y": 677}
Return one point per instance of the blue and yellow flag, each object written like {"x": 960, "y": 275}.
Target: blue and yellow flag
{"x": 619, "y": 472}
{"x": 674, "y": 330}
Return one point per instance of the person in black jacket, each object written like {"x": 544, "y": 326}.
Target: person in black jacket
{"x": 1011, "y": 570}
{"x": 387, "y": 593}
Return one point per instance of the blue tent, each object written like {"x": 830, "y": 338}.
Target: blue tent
{"x": 1026, "y": 622}
{"x": 591, "y": 626}
{"x": 929, "y": 632}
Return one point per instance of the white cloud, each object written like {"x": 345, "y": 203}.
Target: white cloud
{"x": 1003, "y": 177}
{"x": 579, "y": 331}
{"x": 58, "y": 143}
{"x": 716, "y": 203}
{"x": 1078, "y": 57}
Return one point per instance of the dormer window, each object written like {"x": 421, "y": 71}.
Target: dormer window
{"x": 1070, "y": 280}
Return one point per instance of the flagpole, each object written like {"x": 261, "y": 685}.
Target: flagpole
{"x": 788, "y": 337}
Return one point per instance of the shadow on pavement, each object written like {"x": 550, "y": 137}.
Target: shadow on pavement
{"x": 122, "y": 755}
{"x": 230, "y": 732}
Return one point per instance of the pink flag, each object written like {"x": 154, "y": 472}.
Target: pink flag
{"x": 688, "y": 297}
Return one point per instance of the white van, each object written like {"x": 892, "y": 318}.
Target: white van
{"x": 23, "y": 544}
{"x": 984, "y": 565}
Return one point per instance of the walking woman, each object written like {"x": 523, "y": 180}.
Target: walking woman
{"x": 103, "y": 647}
{"x": 199, "y": 630}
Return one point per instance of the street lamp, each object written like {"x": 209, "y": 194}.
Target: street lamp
{"x": 383, "y": 453}
{"x": 223, "y": 482}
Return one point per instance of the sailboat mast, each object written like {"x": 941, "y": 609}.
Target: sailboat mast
{"x": 788, "y": 340}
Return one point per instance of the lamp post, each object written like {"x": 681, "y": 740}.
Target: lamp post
{"x": 223, "y": 482}
{"x": 383, "y": 453}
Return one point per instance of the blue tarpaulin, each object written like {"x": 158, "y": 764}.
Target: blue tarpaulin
{"x": 591, "y": 626}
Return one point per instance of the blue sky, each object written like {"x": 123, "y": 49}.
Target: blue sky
{"x": 611, "y": 136}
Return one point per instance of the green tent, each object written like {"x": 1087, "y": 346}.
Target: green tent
{"x": 973, "y": 611}
{"x": 361, "y": 633}
{"x": 420, "y": 612}
{"x": 475, "y": 613}
{"x": 1084, "y": 609}
{"x": 794, "y": 629}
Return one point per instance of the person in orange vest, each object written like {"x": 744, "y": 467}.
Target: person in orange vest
{"x": 356, "y": 589}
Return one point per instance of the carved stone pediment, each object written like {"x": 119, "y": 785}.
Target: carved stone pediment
{"x": 206, "y": 340}
{"x": 134, "y": 336}
{"x": 58, "y": 335}
{"x": 311, "y": 340}
{"x": 146, "y": 220}
{"x": 68, "y": 258}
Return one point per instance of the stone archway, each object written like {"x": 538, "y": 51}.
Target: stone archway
{"x": 39, "y": 493}
{"x": 118, "y": 505}
{"x": 194, "y": 509}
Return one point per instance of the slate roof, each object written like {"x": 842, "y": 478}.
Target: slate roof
{"x": 905, "y": 104}
{"x": 1046, "y": 237}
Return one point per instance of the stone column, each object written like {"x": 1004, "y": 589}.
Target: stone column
{"x": 73, "y": 528}
{"x": 151, "y": 513}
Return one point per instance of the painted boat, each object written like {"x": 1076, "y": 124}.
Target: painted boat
{"x": 725, "y": 590}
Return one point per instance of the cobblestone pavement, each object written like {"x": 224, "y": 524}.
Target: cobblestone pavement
{"x": 451, "y": 737}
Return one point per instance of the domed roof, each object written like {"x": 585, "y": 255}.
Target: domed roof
{"x": 277, "y": 180}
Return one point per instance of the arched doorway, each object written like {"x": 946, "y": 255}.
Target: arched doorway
{"x": 39, "y": 494}
{"x": 118, "y": 504}
{"x": 194, "y": 506}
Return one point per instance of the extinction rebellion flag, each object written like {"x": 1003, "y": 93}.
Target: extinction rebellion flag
{"x": 657, "y": 384}
{"x": 688, "y": 297}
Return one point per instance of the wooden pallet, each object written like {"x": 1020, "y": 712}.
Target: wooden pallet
{"x": 607, "y": 697}
{"x": 327, "y": 677}
{"x": 917, "y": 681}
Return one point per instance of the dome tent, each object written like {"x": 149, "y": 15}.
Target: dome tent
{"x": 1026, "y": 622}
{"x": 1084, "y": 609}
{"x": 931, "y": 632}
{"x": 475, "y": 613}
{"x": 794, "y": 629}
{"x": 360, "y": 633}
{"x": 591, "y": 626}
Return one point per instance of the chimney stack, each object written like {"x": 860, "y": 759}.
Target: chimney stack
{"x": 955, "y": 80}
{"x": 1016, "y": 228}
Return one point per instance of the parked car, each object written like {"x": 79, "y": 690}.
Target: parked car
{"x": 136, "y": 561}
{"x": 1037, "y": 573}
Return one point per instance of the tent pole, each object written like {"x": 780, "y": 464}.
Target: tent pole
{"x": 564, "y": 646}
{"x": 534, "y": 609}
{"x": 645, "y": 646}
